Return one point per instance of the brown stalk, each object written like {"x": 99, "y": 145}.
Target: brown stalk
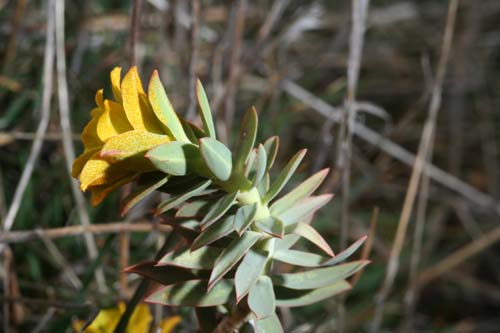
{"x": 134, "y": 32}
{"x": 195, "y": 29}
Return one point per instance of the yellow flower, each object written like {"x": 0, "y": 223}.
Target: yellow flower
{"x": 118, "y": 135}
{"x": 139, "y": 322}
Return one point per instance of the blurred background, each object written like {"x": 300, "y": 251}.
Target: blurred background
{"x": 399, "y": 98}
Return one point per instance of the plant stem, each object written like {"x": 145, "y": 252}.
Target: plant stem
{"x": 233, "y": 321}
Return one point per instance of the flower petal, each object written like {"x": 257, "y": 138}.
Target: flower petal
{"x": 112, "y": 121}
{"x": 99, "y": 98}
{"x": 98, "y": 171}
{"x": 99, "y": 192}
{"x": 136, "y": 105}
{"x": 89, "y": 135}
{"x": 131, "y": 143}
{"x": 80, "y": 161}
{"x": 115, "y": 83}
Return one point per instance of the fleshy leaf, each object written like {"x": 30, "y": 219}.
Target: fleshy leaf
{"x": 141, "y": 193}
{"x": 271, "y": 145}
{"x": 263, "y": 186}
{"x": 231, "y": 255}
{"x": 196, "y": 208}
{"x": 213, "y": 233}
{"x": 193, "y": 293}
{"x": 260, "y": 165}
{"x": 309, "y": 233}
{"x": 261, "y": 299}
{"x": 218, "y": 209}
{"x": 272, "y": 226}
{"x": 346, "y": 253}
{"x": 319, "y": 277}
{"x": 203, "y": 258}
{"x": 285, "y": 175}
{"x": 217, "y": 157}
{"x": 206, "y": 114}
{"x": 248, "y": 133}
{"x": 248, "y": 272}
{"x": 292, "y": 298}
{"x": 179, "y": 199}
{"x": 269, "y": 324}
{"x": 244, "y": 217}
{"x": 299, "y": 193}
{"x": 164, "y": 275}
{"x": 300, "y": 258}
{"x": 164, "y": 110}
{"x": 175, "y": 158}
{"x": 304, "y": 208}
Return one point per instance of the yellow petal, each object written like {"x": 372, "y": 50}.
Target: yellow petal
{"x": 136, "y": 105}
{"x": 168, "y": 324}
{"x": 99, "y": 98}
{"x": 112, "y": 121}
{"x": 99, "y": 192}
{"x": 80, "y": 161}
{"x": 98, "y": 171}
{"x": 105, "y": 322}
{"x": 89, "y": 135}
{"x": 115, "y": 83}
{"x": 140, "y": 320}
{"x": 130, "y": 144}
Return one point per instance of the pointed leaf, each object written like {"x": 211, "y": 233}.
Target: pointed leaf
{"x": 271, "y": 145}
{"x": 192, "y": 293}
{"x": 300, "y": 258}
{"x": 261, "y": 299}
{"x": 346, "y": 253}
{"x": 176, "y": 158}
{"x": 196, "y": 208}
{"x": 250, "y": 165}
{"x": 248, "y": 272}
{"x": 219, "y": 209}
{"x": 272, "y": 226}
{"x": 269, "y": 324}
{"x": 231, "y": 255}
{"x": 285, "y": 175}
{"x": 163, "y": 275}
{"x": 299, "y": 193}
{"x": 304, "y": 208}
{"x": 217, "y": 157}
{"x": 213, "y": 233}
{"x": 263, "y": 186}
{"x": 260, "y": 165}
{"x": 244, "y": 217}
{"x": 248, "y": 133}
{"x": 164, "y": 110}
{"x": 179, "y": 199}
{"x": 286, "y": 242}
{"x": 141, "y": 193}
{"x": 309, "y": 233}
{"x": 206, "y": 114}
{"x": 319, "y": 277}
{"x": 203, "y": 258}
{"x": 291, "y": 298}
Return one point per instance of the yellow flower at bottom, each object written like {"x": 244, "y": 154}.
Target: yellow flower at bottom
{"x": 118, "y": 135}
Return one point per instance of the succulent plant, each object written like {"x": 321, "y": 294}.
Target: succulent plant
{"x": 234, "y": 220}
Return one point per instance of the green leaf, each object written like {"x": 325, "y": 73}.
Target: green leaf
{"x": 272, "y": 226}
{"x": 196, "y": 208}
{"x": 219, "y": 209}
{"x": 244, "y": 217}
{"x": 176, "y": 158}
{"x": 319, "y": 277}
{"x": 271, "y": 145}
{"x": 309, "y": 233}
{"x": 164, "y": 110}
{"x": 179, "y": 199}
{"x": 286, "y": 242}
{"x": 248, "y": 133}
{"x": 163, "y": 275}
{"x": 213, "y": 233}
{"x": 304, "y": 208}
{"x": 193, "y": 293}
{"x": 203, "y": 258}
{"x": 250, "y": 165}
{"x": 217, "y": 158}
{"x": 346, "y": 253}
{"x": 291, "y": 298}
{"x": 270, "y": 324}
{"x": 284, "y": 176}
{"x": 251, "y": 267}
{"x": 263, "y": 186}
{"x": 261, "y": 299}
{"x": 299, "y": 258}
{"x": 299, "y": 193}
{"x": 260, "y": 165}
{"x": 206, "y": 114}
{"x": 131, "y": 200}
{"x": 231, "y": 255}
